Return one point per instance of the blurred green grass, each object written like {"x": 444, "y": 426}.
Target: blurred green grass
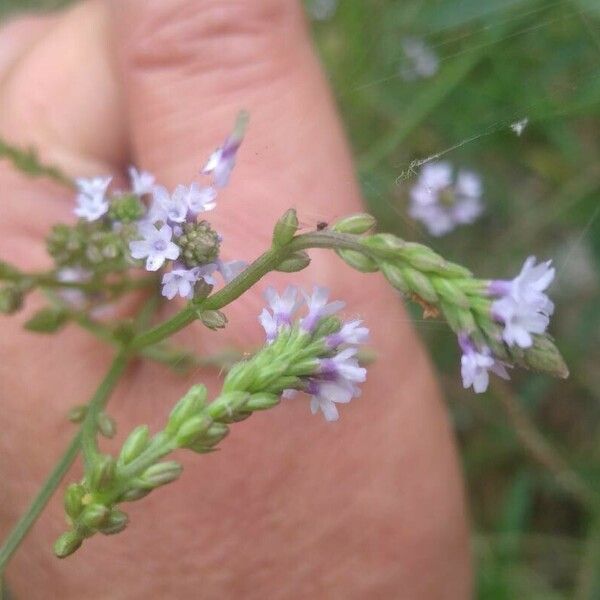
{"x": 501, "y": 61}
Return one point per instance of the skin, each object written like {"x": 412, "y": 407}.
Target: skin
{"x": 291, "y": 507}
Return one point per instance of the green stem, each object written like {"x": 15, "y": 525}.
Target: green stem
{"x": 257, "y": 270}
{"x": 20, "y": 530}
{"x": 89, "y": 443}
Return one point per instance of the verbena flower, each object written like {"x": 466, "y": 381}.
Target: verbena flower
{"x": 522, "y": 305}
{"x": 170, "y": 207}
{"x": 142, "y": 182}
{"x": 200, "y": 199}
{"x": 476, "y": 363}
{"x": 156, "y": 246}
{"x": 181, "y": 281}
{"x": 318, "y": 307}
{"x": 442, "y": 202}
{"x": 420, "y": 61}
{"x": 351, "y": 333}
{"x": 91, "y": 199}
{"x": 282, "y": 308}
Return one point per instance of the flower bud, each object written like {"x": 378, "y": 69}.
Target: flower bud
{"x": 262, "y": 402}
{"x": 358, "y": 260}
{"x": 102, "y": 472}
{"x": 77, "y": 414}
{"x": 94, "y": 515}
{"x": 192, "y": 430}
{"x": 72, "y": 501}
{"x": 418, "y": 283}
{"x": 189, "y": 406}
{"x": 544, "y": 356}
{"x": 67, "y": 543}
{"x": 227, "y": 404}
{"x": 357, "y": 223}
{"x": 161, "y": 473}
{"x": 11, "y": 299}
{"x": 213, "y": 319}
{"x": 133, "y": 494}
{"x": 327, "y": 326}
{"x": 215, "y": 433}
{"x": 385, "y": 244}
{"x": 106, "y": 425}
{"x": 449, "y": 290}
{"x": 47, "y": 320}
{"x": 285, "y": 228}
{"x": 137, "y": 441}
{"x": 293, "y": 263}
{"x": 394, "y": 274}
{"x": 126, "y": 208}
{"x": 115, "y": 523}
{"x": 199, "y": 244}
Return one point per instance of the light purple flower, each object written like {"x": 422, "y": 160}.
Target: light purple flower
{"x": 199, "y": 199}
{"x": 325, "y": 395}
{"x": 343, "y": 367}
{"x": 142, "y": 182}
{"x": 476, "y": 365}
{"x": 441, "y": 203}
{"x": 230, "y": 269}
{"x": 91, "y": 199}
{"x": 156, "y": 246}
{"x": 350, "y": 333}
{"x": 181, "y": 281}
{"x": 523, "y": 306}
{"x": 420, "y": 61}
{"x": 318, "y": 307}
{"x": 174, "y": 207}
{"x": 283, "y": 308}
{"x": 221, "y": 162}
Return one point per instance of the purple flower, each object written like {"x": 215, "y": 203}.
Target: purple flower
{"x": 343, "y": 367}
{"x": 181, "y": 281}
{"x": 283, "y": 308}
{"x": 173, "y": 208}
{"x": 318, "y": 307}
{"x": 156, "y": 246}
{"x": 91, "y": 199}
{"x": 221, "y": 162}
{"x": 325, "y": 395}
{"x": 350, "y": 333}
{"x": 522, "y": 305}
{"x": 200, "y": 199}
{"x": 476, "y": 365}
{"x": 142, "y": 182}
{"x": 441, "y": 203}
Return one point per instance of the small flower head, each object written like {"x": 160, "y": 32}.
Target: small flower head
{"x": 522, "y": 305}
{"x": 200, "y": 199}
{"x": 318, "y": 307}
{"x": 282, "y": 308}
{"x": 91, "y": 199}
{"x": 155, "y": 246}
{"x": 476, "y": 365}
{"x": 181, "y": 281}
{"x": 142, "y": 182}
{"x": 174, "y": 207}
{"x": 351, "y": 332}
{"x": 441, "y": 203}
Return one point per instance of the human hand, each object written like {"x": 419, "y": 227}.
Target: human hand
{"x": 291, "y": 507}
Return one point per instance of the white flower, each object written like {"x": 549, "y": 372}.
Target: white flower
{"x": 181, "y": 281}
{"x": 440, "y": 203}
{"x": 419, "y": 60}
{"x": 91, "y": 199}
{"x": 476, "y": 365}
{"x": 142, "y": 182}
{"x": 156, "y": 246}
{"x": 318, "y": 308}
{"x": 199, "y": 199}
{"x": 519, "y": 126}
{"x": 174, "y": 207}
{"x": 523, "y": 307}
{"x": 325, "y": 395}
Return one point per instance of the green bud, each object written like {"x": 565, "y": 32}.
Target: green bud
{"x": 419, "y": 284}
{"x": 357, "y": 223}
{"x": 357, "y": 260}
{"x": 124, "y": 331}
{"x": 11, "y": 299}
{"x": 47, "y": 320}
{"x": 77, "y": 414}
{"x": 67, "y": 543}
{"x": 327, "y": 326}
{"x": 213, "y": 319}
{"x": 189, "y": 406}
{"x": 385, "y": 244}
{"x": 448, "y": 289}
{"x": 544, "y": 356}
{"x": 227, "y": 404}
{"x": 262, "y": 401}
{"x": 395, "y": 275}
{"x": 202, "y": 289}
{"x": 199, "y": 244}
{"x": 72, "y": 501}
{"x": 106, "y": 425}
{"x": 126, "y": 208}
{"x": 94, "y": 515}
{"x": 161, "y": 473}
{"x": 102, "y": 472}
{"x": 293, "y": 263}
{"x": 137, "y": 441}
{"x": 423, "y": 258}
{"x": 115, "y": 523}
{"x": 285, "y": 228}
{"x": 215, "y": 433}
{"x": 135, "y": 493}
{"x": 192, "y": 430}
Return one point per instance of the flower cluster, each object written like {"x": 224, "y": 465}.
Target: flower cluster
{"x": 165, "y": 227}
{"x": 333, "y": 375}
{"x": 522, "y": 309}
{"x": 441, "y": 201}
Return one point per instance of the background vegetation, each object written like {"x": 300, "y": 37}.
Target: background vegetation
{"x": 531, "y": 451}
